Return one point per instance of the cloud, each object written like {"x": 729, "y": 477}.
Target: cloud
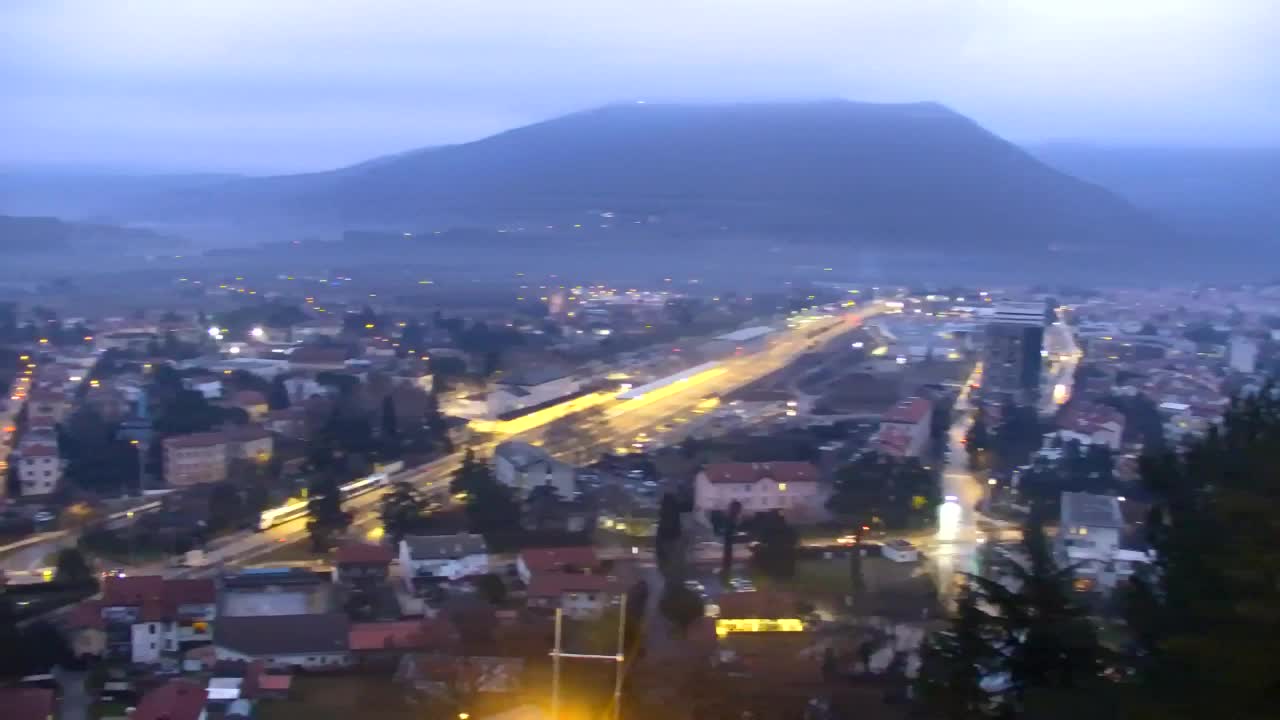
{"x": 294, "y": 84}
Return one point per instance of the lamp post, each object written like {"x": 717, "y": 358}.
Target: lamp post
{"x": 618, "y": 658}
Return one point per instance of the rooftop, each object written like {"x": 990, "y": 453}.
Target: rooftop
{"x": 175, "y": 700}
{"x": 554, "y": 584}
{"x": 27, "y": 703}
{"x": 283, "y": 634}
{"x": 1091, "y": 510}
{"x": 539, "y": 560}
{"x": 910, "y": 411}
{"x": 744, "y": 473}
{"x": 444, "y": 547}
{"x": 367, "y": 553}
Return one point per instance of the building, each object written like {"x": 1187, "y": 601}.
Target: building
{"x": 39, "y": 466}
{"x": 27, "y": 703}
{"x": 530, "y": 388}
{"x": 522, "y": 466}
{"x": 145, "y": 618}
{"x": 580, "y": 596}
{"x": 789, "y": 487}
{"x": 1091, "y": 424}
{"x": 535, "y": 561}
{"x": 428, "y": 558}
{"x": 206, "y": 457}
{"x": 904, "y": 429}
{"x": 1012, "y": 356}
{"x": 1091, "y": 541}
{"x": 1242, "y": 354}
{"x": 48, "y": 403}
{"x": 358, "y": 563}
{"x": 175, "y": 700}
{"x": 310, "y": 641}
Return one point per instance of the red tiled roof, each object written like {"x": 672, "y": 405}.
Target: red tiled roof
{"x": 191, "y": 591}
{"x": 87, "y": 614}
{"x": 132, "y": 590}
{"x": 910, "y": 411}
{"x": 1088, "y": 418}
{"x": 547, "y": 559}
{"x": 37, "y": 450}
{"x": 555, "y": 584}
{"x": 175, "y": 700}
{"x": 406, "y": 635}
{"x": 195, "y": 440}
{"x": 358, "y": 552}
{"x": 274, "y": 682}
{"x": 746, "y": 473}
{"x": 27, "y": 703}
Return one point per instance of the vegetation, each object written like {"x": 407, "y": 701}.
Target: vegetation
{"x": 403, "y": 511}
{"x": 884, "y": 492}
{"x": 327, "y": 518}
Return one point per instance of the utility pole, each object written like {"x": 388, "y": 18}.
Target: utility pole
{"x": 618, "y": 658}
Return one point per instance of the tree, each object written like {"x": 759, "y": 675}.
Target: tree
{"x": 667, "y": 538}
{"x": 278, "y": 397}
{"x": 225, "y": 507}
{"x": 389, "y": 429}
{"x": 775, "y": 554}
{"x": 681, "y": 606}
{"x": 71, "y": 569}
{"x": 1046, "y": 637}
{"x": 1205, "y": 618}
{"x": 955, "y": 661}
{"x": 730, "y": 535}
{"x": 402, "y": 511}
{"x": 542, "y": 503}
{"x": 325, "y": 509}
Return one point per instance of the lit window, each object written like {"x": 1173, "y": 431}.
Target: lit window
{"x": 1084, "y": 531}
{"x": 782, "y": 487}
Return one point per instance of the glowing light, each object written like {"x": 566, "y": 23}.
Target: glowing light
{"x": 1060, "y": 394}
{"x": 234, "y": 350}
{"x": 725, "y": 626}
{"x": 258, "y": 333}
{"x": 949, "y": 514}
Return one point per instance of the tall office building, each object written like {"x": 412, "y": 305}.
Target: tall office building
{"x": 1012, "y": 359}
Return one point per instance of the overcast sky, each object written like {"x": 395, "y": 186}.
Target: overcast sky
{"x": 290, "y": 85}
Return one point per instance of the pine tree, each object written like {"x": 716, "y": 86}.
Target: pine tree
{"x": 955, "y": 662}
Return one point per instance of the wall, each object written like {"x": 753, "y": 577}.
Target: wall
{"x": 800, "y": 501}
{"x": 151, "y": 639}
{"x": 285, "y": 662}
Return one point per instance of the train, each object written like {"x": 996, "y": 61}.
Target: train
{"x": 268, "y": 519}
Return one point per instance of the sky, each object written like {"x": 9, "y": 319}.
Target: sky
{"x": 281, "y": 86}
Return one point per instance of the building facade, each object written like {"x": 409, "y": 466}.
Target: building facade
{"x": 789, "y": 487}
{"x": 1012, "y": 355}
{"x": 522, "y": 467}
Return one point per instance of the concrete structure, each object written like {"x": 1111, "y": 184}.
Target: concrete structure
{"x": 442, "y": 557}
{"x": 580, "y": 596}
{"x": 145, "y": 618}
{"x": 790, "y": 487}
{"x": 39, "y": 467}
{"x": 358, "y": 563}
{"x": 1242, "y": 354}
{"x": 205, "y": 457}
{"x": 522, "y": 466}
{"x": 904, "y": 429}
{"x": 530, "y": 389}
{"x": 1091, "y": 424}
{"x": 1090, "y": 540}
{"x": 1011, "y": 359}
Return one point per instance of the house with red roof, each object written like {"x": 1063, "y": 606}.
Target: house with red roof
{"x": 791, "y": 488}
{"x": 357, "y": 563}
{"x": 536, "y": 561}
{"x": 1091, "y": 424}
{"x": 904, "y": 429}
{"x": 175, "y": 700}
{"x": 27, "y": 703}
{"x": 145, "y": 618}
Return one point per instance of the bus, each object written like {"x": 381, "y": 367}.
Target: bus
{"x": 294, "y": 510}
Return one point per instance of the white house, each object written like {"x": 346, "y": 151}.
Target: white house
{"x": 523, "y": 467}
{"x": 790, "y": 487}
{"x": 1090, "y": 539}
{"x": 39, "y": 467}
{"x": 442, "y": 557}
{"x": 900, "y": 551}
{"x": 529, "y": 389}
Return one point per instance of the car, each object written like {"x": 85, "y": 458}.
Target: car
{"x": 43, "y": 516}
{"x": 635, "y": 474}
{"x": 695, "y": 586}
{"x": 650, "y": 483}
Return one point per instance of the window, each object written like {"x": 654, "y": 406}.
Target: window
{"x": 153, "y": 628}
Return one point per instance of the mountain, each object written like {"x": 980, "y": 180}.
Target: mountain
{"x": 894, "y": 175}
{"x": 50, "y": 237}
{"x": 1212, "y": 193}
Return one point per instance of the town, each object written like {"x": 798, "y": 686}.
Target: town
{"x": 280, "y": 496}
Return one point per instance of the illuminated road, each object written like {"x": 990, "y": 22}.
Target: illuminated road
{"x": 601, "y": 429}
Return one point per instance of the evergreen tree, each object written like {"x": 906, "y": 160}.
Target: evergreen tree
{"x": 278, "y": 398}
{"x": 1207, "y": 617}
{"x": 402, "y": 511}
{"x": 732, "y": 516}
{"x": 667, "y": 538}
{"x": 1047, "y": 639}
{"x": 71, "y": 569}
{"x": 327, "y": 517}
{"x": 955, "y": 661}
{"x": 390, "y": 429}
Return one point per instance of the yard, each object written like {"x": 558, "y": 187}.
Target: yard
{"x": 331, "y": 697}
